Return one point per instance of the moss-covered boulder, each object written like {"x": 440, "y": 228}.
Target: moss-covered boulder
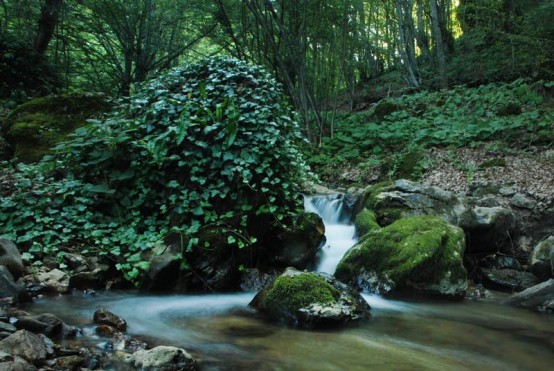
{"x": 310, "y": 300}
{"x": 420, "y": 253}
{"x": 365, "y": 222}
{"x": 34, "y": 127}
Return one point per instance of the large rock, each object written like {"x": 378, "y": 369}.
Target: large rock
{"x": 9, "y": 288}
{"x": 510, "y": 280}
{"x": 26, "y": 345}
{"x": 538, "y": 296}
{"x": 163, "y": 358}
{"x": 32, "y": 128}
{"x": 490, "y": 229}
{"x": 105, "y": 317}
{"x": 51, "y": 281}
{"x": 541, "y": 259}
{"x": 11, "y": 258}
{"x": 419, "y": 253}
{"x": 310, "y": 300}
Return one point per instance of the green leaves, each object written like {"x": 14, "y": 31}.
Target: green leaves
{"x": 212, "y": 144}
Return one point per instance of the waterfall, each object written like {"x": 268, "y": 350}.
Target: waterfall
{"x": 340, "y": 233}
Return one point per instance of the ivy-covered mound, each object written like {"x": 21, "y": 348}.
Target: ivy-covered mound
{"x": 209, "y": 149}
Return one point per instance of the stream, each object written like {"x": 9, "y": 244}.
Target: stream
{"x": 224, "y": 334}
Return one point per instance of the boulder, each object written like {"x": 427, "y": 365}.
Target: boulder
{"x": 296, "y": 246}
{"x": 163, "y": 358}
{"x": 310, "y": 300}
{"x": 365, "y": 222}
{"x": 538, "y": 296}
{"x": 105, "y": 317}
{"x": 490, "y": 229}
{"x": 47, "y": 324}
{"x": 16, "y": 364}
{"x": 26, "y": 345}
{"x": 35, "y": 126}
{"x": 510, "y": 280}
{"x": 406, "y": 198}
{"x": 9, "y": 288}
{"x": 419, "y": 253}
{"x": 50, "y": 281}
{"x": 541, "y": 259}
{"x": 11, "y": 258}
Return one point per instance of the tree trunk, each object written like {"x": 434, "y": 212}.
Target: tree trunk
{"x": 439, "y": 44}
{"x": 407, "y": 48}
{"x": 47, "y": 22}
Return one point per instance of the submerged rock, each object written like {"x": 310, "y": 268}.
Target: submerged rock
{"x": 422, "y": 253}
{"x": 310, "y": 300}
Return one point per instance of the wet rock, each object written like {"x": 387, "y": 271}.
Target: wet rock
{"x": 310, "y": 300}
{"x": 297, "y": 246}
{"x": 7, "y": 327}
{"x": 50, "y": 281}
{"x": 105, "y": 330}
{"x": 541, "y": 259}
{"x": 47, "y": 324}
{"x": 490, "y": 229}
{"x": 105, "y": 317}
{"x": 422, "y": 253}
{"x": 17, "y": 364}
{"x": 68, "y": 363}
{"x": 11, "y": 258}
{"x": 163, "y": 272}
{"x": 9, "y": 288}
{"x": 95, "y": 279}
{"x": 534, "y": 297}
{"x": 256, "y": 280}
{"x": 365, "y": 222}
{"x": 26, "y": 345}
{"x": 121, "y": 342}
{"x": 508, "y": 279}
{"x": 163, "y": 358}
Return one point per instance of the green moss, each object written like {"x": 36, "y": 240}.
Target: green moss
{"x": 34, "y": 127}
{"x": 365, "y": 222}
{"x": 296, "y": 291}
{"x": 403, "y": 166}
{"x": 385, "y": 108}
{"x": 371, "y": 193}
{"x": 419, "y": 249}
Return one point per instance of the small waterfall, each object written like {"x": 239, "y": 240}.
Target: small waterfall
{"x": 339, "y": 232}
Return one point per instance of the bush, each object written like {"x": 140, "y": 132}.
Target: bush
{"x": 211, "y": 145}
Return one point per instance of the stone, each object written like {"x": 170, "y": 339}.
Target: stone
{"x": 420, "y": 253}
{"x": 95, "y": 279}
{"x": 9, "y": 288}
{"x": 74, "y": 362}
{"x": 105, "y": 317}
{"x": 365, "y": 222}
{"x": 310, "y": 300}
{"x": 508, "y": 279}
{"x": 163, "y": 358}
{"x": 523, "y": 202}
{"x": 11, "y": 258}
{"x": 47, "y": 324}
{"x": 50, "y": 281}
{"x": 26, "y": 345}
{"x": 490, "y": 229}
{"x": 7, "y": 327}
{"x": 17, "y": 364}
{"x": 533, "y": 297}
{"x": 255, "y": 280}
{"x": 541, "y": 259}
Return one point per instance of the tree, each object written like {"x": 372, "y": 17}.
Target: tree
{"x": 47, "y": 22}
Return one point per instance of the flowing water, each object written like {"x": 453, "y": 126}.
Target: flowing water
{"x": 224, "y": 334}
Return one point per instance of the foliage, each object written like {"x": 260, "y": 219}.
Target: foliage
{"x": 458, "y": 117}
{"x": 211, "y": 145}
{"x": 24, "y": 72}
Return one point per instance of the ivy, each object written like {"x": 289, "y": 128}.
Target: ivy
{"x": 213, "y": 144}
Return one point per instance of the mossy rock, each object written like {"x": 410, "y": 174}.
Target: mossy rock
{"x": 371, "y": 193}
{"x": 310, "y": 300}
{"x": 365, "y": 222}
{"x": 404, "y": 166}
{"x": 384, "y": 108}
{"x": 34, "y": 127}
{"x": 420, "y": 253}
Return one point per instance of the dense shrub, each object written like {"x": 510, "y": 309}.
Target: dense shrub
{"x": 208, "y": 146}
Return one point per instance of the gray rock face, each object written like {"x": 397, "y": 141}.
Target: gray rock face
{"x": 541, "y": 259}
{"x": 10, "y": 258}
{"x": 310, "y": 300}
{"x": 163, "y": 358}
{"x": 26, "y": 345}
{"x": 490, "y": 229}
{"x": 534, "y": 297}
